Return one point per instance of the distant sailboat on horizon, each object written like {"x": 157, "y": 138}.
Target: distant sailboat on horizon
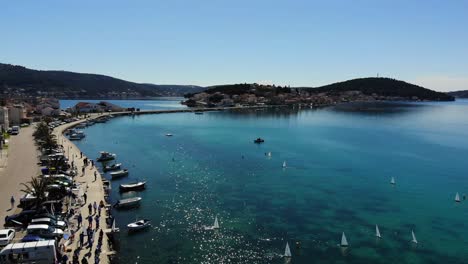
{"x": 414, "y": 240}
{"x": 216, "y": 224}
{"x": 287, "y": 251}
{"x": 457, "y": 198}
{"x": 392, "y": 181}
{"x": 377, "y": 231}
{"x": 344, "y": 241}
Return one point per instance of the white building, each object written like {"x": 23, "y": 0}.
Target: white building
{"x": 4, "y": 121}
{"x": 15, "y": 114}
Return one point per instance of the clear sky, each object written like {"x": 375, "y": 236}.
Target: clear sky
{"x": 206, "y": 42}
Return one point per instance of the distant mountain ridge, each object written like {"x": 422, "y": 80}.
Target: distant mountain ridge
{"x": 18, "y": 80}
{"x": 459, "y": 94}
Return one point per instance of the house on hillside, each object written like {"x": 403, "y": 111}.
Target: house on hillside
{"x": 85, "y": 107}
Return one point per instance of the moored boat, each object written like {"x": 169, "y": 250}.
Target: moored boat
{"x": 287, "y": 251}
{"x": 344, "y": 241}
{"x": 129, "y": 202}
{"x": 112, "y": 167}
{"x": 119, "y": 173}
{"x": 106, "y": 156}
{"x": 139, "y": 225}
{"x": 259, "y": 140}
{"x": 132, "y": 186}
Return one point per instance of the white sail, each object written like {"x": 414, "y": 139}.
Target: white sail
{"x": 216, "y": 224}
{"x": 269, "y": 154}
{"x": 377, "y": 232}
{"x": 344, "y": 241}
{"x": 287, "y": 251}
{"x": 414, "y": 240}
{"x": 392, "y": 181}
{"x": 457, "y": 197}
{"x": 284, "y": 164}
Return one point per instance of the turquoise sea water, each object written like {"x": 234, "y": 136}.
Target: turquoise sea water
{"x": 339, "y": 164}
{"x": 163, "y": 103}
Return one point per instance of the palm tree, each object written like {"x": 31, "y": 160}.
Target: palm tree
{"x": 37, "y": 187}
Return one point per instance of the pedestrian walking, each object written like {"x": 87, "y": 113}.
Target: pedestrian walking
{"x": 81, "y": 154}
{"x": 83, "y": 170}
{"x": 92, "y": 163}
{"x": 95, "y": 207}
{"x": 90, "y": 221}
{"x": 84, "y": 260}
{"x": 85, "y": 197}
{"x": 95, "y": 175}
{"x": 81, "y": 239}
{"x": 90, "y": 208}
{"x": 96, "y": 219}
{"x": 12, "y": 201}
{"x": 80, "y": 219}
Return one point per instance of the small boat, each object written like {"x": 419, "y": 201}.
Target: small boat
{"x": 269, "y": 154}
{"x": 132, "y": 186}
{"x": 119, "y": 173}
{"x": 344, "y": 241}
{"x": 392, "y": 181}
{"x": 284, "y": 164}
{"x": 214, "y": 226}
{"x": 78, "y": 135}
{"x": 259, "y": 140}
{"x": 168, "y": 135}
{"x": 457, "y": 198}
{"x": 287, "y": 251}
{"x": 414, "y": 240}
{"x": 106, "y": 156}
{"x": 377, "y": 232}
{"x": 129, "y": 202}
{"x": 114, "y": 228}
{"x": 112, "y": 167}
{"x": 138, "y": 225}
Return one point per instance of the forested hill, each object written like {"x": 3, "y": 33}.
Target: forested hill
{"x": 383, "y": 87}
{"x": 18, "y": 80}
{"x": 459, "y": 94}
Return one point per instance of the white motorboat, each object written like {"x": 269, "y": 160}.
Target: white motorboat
{"x": 138, "y": 225}
{"x": 106, "y": 156}
{"x": 78, "y": 135}
{"x": 129, "y": 202}
{"x": 112, "y": 167}
{"x": 132, "y": 186}
{"x": 169, "y": 135}
{"x": 119, "y": 173}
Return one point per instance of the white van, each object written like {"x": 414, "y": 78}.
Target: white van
{"x": 45, "y": 231}
{"x": 50, "y": 222}
{"x": 40, "y": 252}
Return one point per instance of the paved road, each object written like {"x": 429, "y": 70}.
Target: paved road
{"x": 21, "y": 166}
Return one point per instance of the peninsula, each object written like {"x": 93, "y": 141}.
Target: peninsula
{"x": 357, "y": 90}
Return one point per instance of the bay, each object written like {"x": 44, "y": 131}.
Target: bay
{"x": 339, "y": 164}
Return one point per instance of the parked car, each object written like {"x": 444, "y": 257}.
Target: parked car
{"x": 22, "y": 218}
{"x": 50, "y": 222}
{"x": 45, "y": 231}
{"x": 6, "y": 235}
{"x": 32, "y": 238}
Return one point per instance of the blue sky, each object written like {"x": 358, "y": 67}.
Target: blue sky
{"x": 297, "y": 43}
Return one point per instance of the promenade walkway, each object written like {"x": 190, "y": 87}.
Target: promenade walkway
{"x": 20, "y": 167}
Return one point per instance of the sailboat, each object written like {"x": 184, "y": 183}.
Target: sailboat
{"x": 457, "y": 198}
{"x": 414, "y": 240}
{"x": 216, "y": 224}
{"x": 287, "y": 251}
{"x": 377, "y": 232}
{"x": 392, "y": 181}
{"x": 284, "y": 164}
{"x": 344, "y": 241}
{"x": 269, "y": 154}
